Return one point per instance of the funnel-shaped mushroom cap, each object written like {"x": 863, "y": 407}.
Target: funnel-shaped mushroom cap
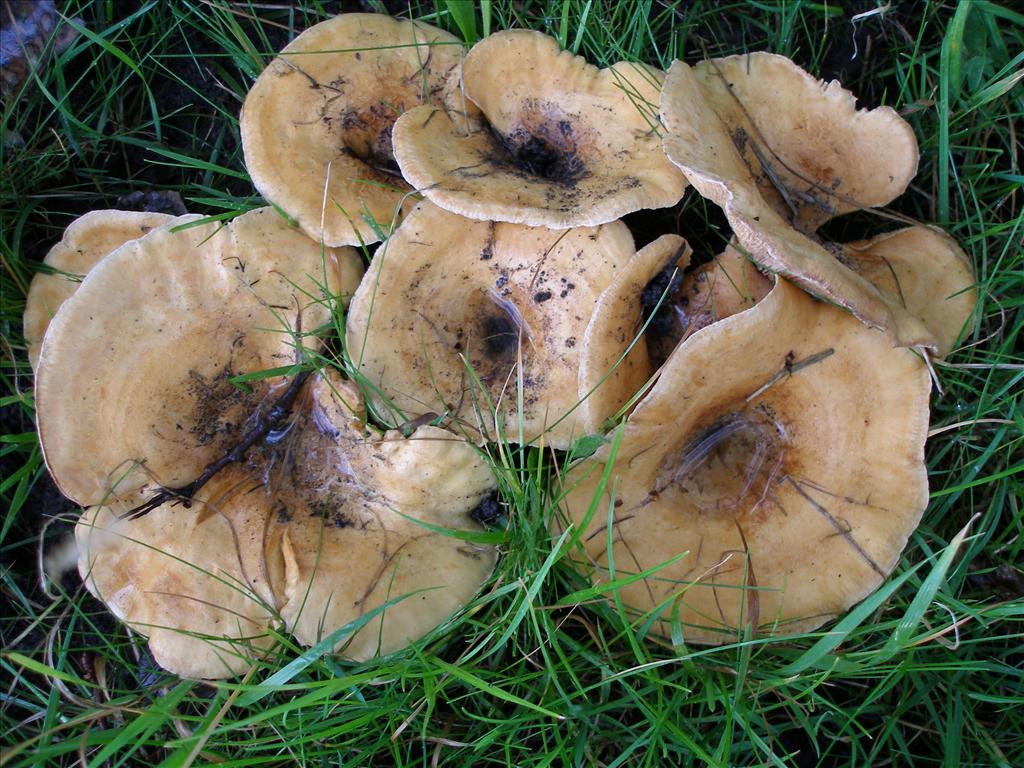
{"x": 561, "y": 143}
{"x": 136, "y": 368}
{"x": 615, "y": 361}
{"x": 449, "y": 308}
{"x": 779, "y": 461}
{"x": 324, "y": 524}
{"x": 927, "y": 270}
{"x": 647, "y": 311}
{"x": 702, "y": 145}
{"x": 354, "y": 540}
{"x": 316, "y": 125}
{"x": 86, "y": 240}
{"x": 809, "y": 137}
{"x": 186, "y": 578}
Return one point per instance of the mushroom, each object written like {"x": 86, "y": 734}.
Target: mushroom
{"x": 560, "y": 143}
{"x": 454, "y": 316}
{"x": 86, "y": 240}
{"x": 316, "y": 125}
{"x": 768, "y": 481}
{"x": 814, "y": 155}
{"x": 929, "y": 273}
{"x": 726, "y": 285}
{"x": 649, "y": 308}
{"x": 136, "y": 381}
{"x": 725, "y": 149}
{"x": 322, "y": 527}
{"x": 616, "y": 360}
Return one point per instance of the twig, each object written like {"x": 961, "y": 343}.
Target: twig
{"x": 184, "y": 494}
{"x": 789, "y": 369}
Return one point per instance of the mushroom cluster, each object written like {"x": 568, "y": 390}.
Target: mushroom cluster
{"x": 233, "y": 480}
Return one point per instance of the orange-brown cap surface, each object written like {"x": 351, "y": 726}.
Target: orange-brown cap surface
{"x": 134, "y": 383}
{"x": 560, "y": 143}
{"x": 450, "y": 307}
{"x": 929, "y": 273}
{"x": 185, "y": 578}
{"x": 616, "y": 359}
{"x": 370, "y": 519}
{"x": 703, "y": 145}
{"x": 727, "y": 284}
{"x": 86, "y": 240}
{"x": 778, "y": 463}
{"x": 808, "y": 137}
{"x": 320, "y": 527}
{"x": 316, "y": 125}
{"x": 647, "y": 311}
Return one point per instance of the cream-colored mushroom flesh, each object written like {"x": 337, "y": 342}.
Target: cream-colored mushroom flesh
{"x": 929, "y": 273}
{"x": 560, "y": 142}
{"x": 775, "y": 471}
{"x": 316, "y": 125}
{"x": 454, "y": 316}
{"x": 616, "y": 359}
{"x": 701, "y": 144}
{"x": 86, "y": 240}
{"x": 320, "y": 526}
{"x": 135, "y": 377}
{"x": 808, "y": 138}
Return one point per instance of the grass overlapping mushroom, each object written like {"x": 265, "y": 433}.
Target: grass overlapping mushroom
{"x": 215, "y": 511}
{"x": 145, "y": 354}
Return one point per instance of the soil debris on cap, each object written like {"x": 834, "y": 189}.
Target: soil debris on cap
{"x": 136, "y": 380}
{"x": 435, "y": 328}
{"x": 546, "y": 140}
{"x": 320, "y": 527}
{"x": 316, "y": 125}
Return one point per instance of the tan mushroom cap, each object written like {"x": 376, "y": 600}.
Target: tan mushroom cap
{"x": 725, "y": 286}
{"x": 86, "y": 240}
{"x": 363, "y": 544}
{"x": 831, "y": 157}
{"x": 928, "y": 271}
{"x": 449, "y": 306}
{"x": 782, "y": 450}
{"x": 610, "y": 376}
{"x": 318, "y": 528}
{"x": 316, "y": 125}
{"x": 615, "y": 361}
{"x": 136, "y": 368}
{"x": 701, "y": 144}
{"x": 561, "y": 143}
{"x": 182, "y": 577}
